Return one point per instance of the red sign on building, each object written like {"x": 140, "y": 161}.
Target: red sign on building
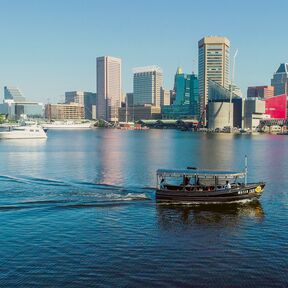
{"x": 276, "y": 106}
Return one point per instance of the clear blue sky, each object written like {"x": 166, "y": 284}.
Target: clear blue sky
{"x": 50, "y": 46}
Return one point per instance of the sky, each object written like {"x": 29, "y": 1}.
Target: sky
{"x": 50, "y": 46}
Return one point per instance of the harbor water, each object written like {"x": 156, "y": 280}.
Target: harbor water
{"x": 79, "y": 210}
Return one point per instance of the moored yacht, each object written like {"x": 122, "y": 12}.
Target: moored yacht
{"x": 24, "y": 132}
{"x": 67, "y": 125}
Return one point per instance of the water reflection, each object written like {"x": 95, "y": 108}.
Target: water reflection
{"x": 217, "y": 151}
{"x": 171, "y": 216}
{"x": 23, "y": 143}
{"x": 109, "y": 157}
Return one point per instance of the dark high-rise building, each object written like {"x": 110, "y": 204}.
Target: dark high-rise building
{"x": 129, "y": 99}
{"x": 280, "y": 80}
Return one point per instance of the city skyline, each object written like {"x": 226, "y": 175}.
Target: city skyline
{"x": 51, "y": 47}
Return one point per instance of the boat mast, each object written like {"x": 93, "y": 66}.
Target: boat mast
{"x": 246, "y": 169}
{"x": 126, "y": 110}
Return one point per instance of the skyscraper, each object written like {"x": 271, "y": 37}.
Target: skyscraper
{"x": 186, "y": 104}
{"x": 108, "y": 87}
{"x": 213, "y": 64}
{"x": 280, "y": 80}
{"x": 186, "y": 88}
{"x": 147, "y": 84}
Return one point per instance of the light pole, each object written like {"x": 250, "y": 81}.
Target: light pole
{"x": 231, "y": 89}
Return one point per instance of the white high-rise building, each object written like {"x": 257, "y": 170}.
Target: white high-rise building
{"x": 213, "y": 65}
{"x": 147, "y": 84}
{"x": 108, "y": 87}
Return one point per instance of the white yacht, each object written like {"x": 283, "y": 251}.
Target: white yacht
{"x": 23, "y": 132}
{"x": 67, "y": 125}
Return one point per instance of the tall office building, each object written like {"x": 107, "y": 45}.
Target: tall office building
{"x": 13, "y": 93}
{"x": 280, "y": 80}
{"x": 214, "y": 65}
{"x": 108, "y": 87}
{"x": 147, "y": 84}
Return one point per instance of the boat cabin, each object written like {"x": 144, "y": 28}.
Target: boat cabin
{"x": 194, "y": 180}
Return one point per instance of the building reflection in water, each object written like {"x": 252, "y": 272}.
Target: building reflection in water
{"x": 218, "y": 151}
{"x": 121, "y": 156}
{"x": 171, "y": 217}
{"x": 109, "y": 162}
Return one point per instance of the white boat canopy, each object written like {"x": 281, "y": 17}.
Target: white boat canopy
{"x": 199, "y": 173}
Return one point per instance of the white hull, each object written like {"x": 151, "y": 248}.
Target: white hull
{"x": 27, "y": 132}
{"x": 67, "y": 126}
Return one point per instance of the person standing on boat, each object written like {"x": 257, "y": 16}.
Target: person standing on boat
{"x": 186, "y": 180}
{"x": 162, "y": 183}
{"x": 228, "y": 185}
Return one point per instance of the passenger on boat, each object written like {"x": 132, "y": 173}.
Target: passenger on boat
{"x": 186, "y": 181}
{"x": 228, "y": 185}
{"x": 162, "y": 182}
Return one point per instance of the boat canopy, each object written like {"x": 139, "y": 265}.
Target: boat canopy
{"x": 198, "y": 173}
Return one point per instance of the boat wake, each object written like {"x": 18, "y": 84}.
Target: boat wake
{"x": 32, "y": 180}
{"x": 128, "y": 197}
{"x": 38, "y": 193}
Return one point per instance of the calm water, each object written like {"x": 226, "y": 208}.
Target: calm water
{"x": 78, "y": 209}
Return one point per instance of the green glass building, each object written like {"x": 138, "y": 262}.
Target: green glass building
{"x": 186, "y": 104}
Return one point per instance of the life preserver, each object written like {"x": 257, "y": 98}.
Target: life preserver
{"x": 258, "y": 189}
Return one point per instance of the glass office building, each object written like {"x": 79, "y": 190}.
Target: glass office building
{"x": 16, "y": 110}
{"x": 147, "y": 84}
{"x": 186, "y": 104}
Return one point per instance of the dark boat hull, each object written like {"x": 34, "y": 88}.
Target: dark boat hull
{"x": 250, "y": 191}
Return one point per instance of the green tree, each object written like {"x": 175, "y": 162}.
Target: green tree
{"x": 2, "y": 118}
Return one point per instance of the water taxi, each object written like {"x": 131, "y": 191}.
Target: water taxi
{"x": 190, "y": 185}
